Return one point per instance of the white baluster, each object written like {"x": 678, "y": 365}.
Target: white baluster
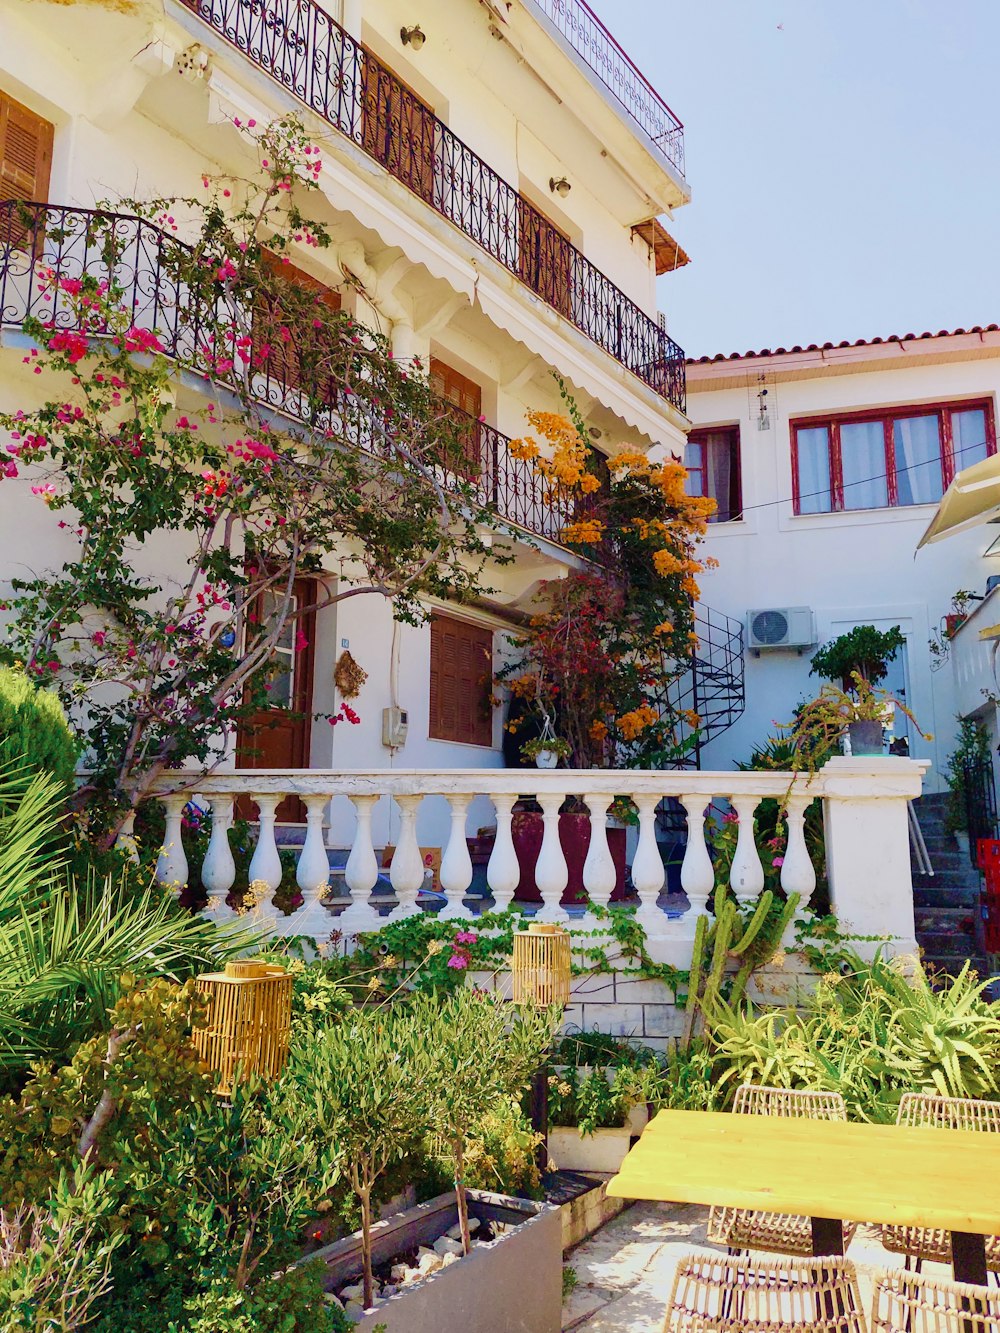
{"x": 265, "y": 864}
{"x": 746, "y": 878}
{"x": 125, "y": 842}
{"x": 171, "y": 864}
{"x": 361, "y": 872}
{"x": 218, "y": 871}
{"x": 797, "y": 873}
{"x": 551, "y": 871}
{"x": 456, "y": 863}
{"x": 407, "y": 870}
{"x": 647, "y": 868}
{"x": 503, "y": 873}
{"x": 697, "y": 871}
{"x": 599, "y": 875}
{"x": 312, "y": 875}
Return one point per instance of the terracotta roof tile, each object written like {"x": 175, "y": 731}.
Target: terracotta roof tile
{"x": 827, "y": 347}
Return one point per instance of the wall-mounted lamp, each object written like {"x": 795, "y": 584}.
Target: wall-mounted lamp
{"x": 414, "y": 36}
{"x": 559, "y": 185}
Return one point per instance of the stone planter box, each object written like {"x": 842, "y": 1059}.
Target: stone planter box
{"x": 512, "y": 1284}
{"x": 604, "y": 1150}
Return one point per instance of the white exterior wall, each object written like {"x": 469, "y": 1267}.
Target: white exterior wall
{"x": 850, "y": 568}
{"x": 127, "y": 125}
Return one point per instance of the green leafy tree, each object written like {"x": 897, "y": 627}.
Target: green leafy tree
{"x": 863, "y": 649}
{"x": 318, "y": 444}
{"x": 367, "y": 1082}
{"x": 34, "y": 731}
{"x": 483, "y": 1052}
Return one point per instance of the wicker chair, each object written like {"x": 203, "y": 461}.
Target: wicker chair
{"x": 782, "y": 1233}
{"x": 742, "y": 1295}
{"x": 916, "y": 1108}
{"x": 911, "y": 1303}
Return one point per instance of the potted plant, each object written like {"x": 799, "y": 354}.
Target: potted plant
{"x": 546, "y": 750}
{"x": 834, "y": 714}
{"x": 598, "y": 1092}
{"x": 863, "y": 651}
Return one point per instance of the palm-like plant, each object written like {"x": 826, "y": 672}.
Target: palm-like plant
{"x": 64, "y": 945}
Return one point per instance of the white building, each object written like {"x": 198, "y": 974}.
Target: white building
{"x": 493, "y": 179}
{"x": 828, "y": 463}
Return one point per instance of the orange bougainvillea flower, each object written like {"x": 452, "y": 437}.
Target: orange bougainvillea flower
{"x": 633, "y": 724}
{"x": 588, "y": 530}
{"x": 599, "y": 730}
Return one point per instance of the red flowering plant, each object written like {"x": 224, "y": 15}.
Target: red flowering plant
{"x": 208, "y": 414}
{"x": 597, "y": 662}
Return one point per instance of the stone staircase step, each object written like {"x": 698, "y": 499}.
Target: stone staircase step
{"x": 929, "y": 893}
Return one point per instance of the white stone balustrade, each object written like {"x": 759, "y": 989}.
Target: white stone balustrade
{"x": 864, "y": 812}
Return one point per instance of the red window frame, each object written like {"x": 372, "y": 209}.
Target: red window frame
{"x": 699, "y": 438}
{"x": 833, "y": 422}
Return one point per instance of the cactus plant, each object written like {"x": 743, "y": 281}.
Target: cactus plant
{"x": 751, "y": 942}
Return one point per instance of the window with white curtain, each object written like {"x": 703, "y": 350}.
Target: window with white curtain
{"x": 712, "y": 459}
{"x": 878, "y": 460}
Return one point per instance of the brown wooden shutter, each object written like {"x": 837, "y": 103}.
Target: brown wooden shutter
{"x": 544, "y": 257}
{"x": 461, "y": 682}
{"x": 453, "y": 387}
{"x": 398, "y": 128}
{"x": 285, "y": 362}
{"x": 25, "y": 166}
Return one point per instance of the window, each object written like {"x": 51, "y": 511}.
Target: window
{"x": 466, "y": 397}
{"x": 25, "y": 163}
{"x": 886, "y": 459}
{"x": 461, "y": 682}
{"x": 712, "y": 459}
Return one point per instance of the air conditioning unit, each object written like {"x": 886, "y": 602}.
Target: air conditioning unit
{"x": 780, "y": 627}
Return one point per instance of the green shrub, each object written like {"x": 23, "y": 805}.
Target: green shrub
{"x": 34, "y": 731}
{"x": 871, "y": 1035}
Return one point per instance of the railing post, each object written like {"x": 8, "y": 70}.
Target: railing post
{"x": 747, "y": 874}
{"x": 456, "y": 863}
{"x": 265, "y": 864}
{"x": 697, "y": 871}
{"x": 503, "y": 873}
{"x": 551, "y": 871}
{"x": 598, "y": 867}
{"x": 407, "y": 869}
{"x": 868, "y": 847}
{"x": 312, "y": 875}
{"x": 361, "y": 871}
{"x": 171, "y": 864}
{"x": 648, "y": 873}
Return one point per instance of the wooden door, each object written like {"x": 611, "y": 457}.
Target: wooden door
{"x": 398, "y": 128}
{"x": 25, "y": 167}
{"x": 456, "y": 389}
{"x": 277, "y": 736}
{"x": 544, "y": 258}
{"x": 297, "y": 360}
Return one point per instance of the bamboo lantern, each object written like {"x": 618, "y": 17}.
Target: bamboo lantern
{"x": 541, "y": 965}
{"x": 249, "y": 1021}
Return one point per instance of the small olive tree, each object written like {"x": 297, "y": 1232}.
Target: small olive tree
{"x": 368, "y": 1081}
{"x": 483, "y": 1051}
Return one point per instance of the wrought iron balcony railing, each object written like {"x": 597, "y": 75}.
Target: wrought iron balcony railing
{"x": 307, "y": 53}
{"x": 42, "y": 244}
{"x": 590, "y": 39}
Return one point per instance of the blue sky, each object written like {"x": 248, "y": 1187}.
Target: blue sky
{"x": 844, "y": 157}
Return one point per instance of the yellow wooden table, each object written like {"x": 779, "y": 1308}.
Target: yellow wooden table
{"x": 830, "y": 1171}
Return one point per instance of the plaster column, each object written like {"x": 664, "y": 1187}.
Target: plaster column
{"x": 868, "y": 847}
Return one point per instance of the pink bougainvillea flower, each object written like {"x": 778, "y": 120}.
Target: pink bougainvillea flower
{"x": 458, "y": 961}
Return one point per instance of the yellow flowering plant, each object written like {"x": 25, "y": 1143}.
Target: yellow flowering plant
{"x": 596, "y": 662}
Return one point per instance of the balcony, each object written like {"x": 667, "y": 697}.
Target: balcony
{"x": 590, "y": 39}
{"x": 299, "y": 46}
{"x": 73, "y": 242}
{"x": 865, "y": 815}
